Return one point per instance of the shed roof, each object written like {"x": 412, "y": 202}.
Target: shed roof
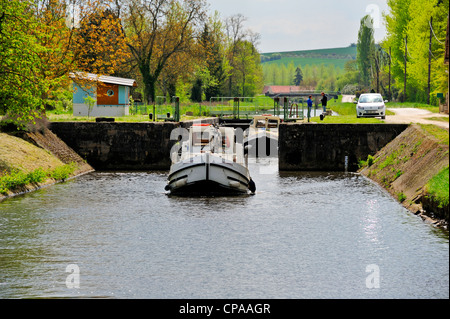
{"x": 104, "y": 78}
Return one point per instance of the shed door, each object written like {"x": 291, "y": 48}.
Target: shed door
{"x": 107, "y": 94}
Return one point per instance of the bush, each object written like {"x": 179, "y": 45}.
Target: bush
{"x": 63, "y": 172}
{"x": 17, "y": 178}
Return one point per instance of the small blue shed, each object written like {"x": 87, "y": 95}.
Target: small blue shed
{"x": 110, "y": 94}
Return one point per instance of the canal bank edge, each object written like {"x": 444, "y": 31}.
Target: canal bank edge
{"x": 404, "y": 167}
{"x": 46, "y": 150}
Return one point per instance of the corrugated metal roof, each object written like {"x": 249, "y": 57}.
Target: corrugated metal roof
{"x": 103, "y": 78}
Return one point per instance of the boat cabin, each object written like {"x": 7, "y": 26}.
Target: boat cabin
{"x": 265, "y": 122}
{"x": 207, "y": 138}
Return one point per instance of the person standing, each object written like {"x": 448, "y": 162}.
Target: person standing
{"x": 324, "y": 102}
{"x": 310, "y": 104}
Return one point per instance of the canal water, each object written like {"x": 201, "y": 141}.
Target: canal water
{"x": 302, "y": 235}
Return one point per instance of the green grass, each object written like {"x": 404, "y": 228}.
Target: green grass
{"x": 302, "y": 62}
{"x": 438, "y": 187}
{"x": 347, "y": 114}
{"x": 345, "y": 51}
{"x": 440, "y": 133}
{"x": 18, "y": 178}
{"x": 346, "y": 119}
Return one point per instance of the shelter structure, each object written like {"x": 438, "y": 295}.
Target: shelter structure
{"x": 101, "y": 95}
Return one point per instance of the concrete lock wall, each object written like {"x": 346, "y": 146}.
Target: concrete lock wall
{"x": 331, "y": 147}
{"x": 122, "y": 146}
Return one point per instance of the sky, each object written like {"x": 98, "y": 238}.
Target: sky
{"x": 294, "y": 25}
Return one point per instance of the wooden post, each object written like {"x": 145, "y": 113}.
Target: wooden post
{"x": 429, "y": 62}
{"x": 404, "y": 84}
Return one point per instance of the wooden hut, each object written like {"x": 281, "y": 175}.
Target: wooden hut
{"x": 109, "y": 95}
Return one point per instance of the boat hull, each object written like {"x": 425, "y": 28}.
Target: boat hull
{"x": 209, "y": 174}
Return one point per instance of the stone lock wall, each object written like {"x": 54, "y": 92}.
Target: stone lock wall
{"x": 122, "y": 146}
{"x": 325, "y": 147}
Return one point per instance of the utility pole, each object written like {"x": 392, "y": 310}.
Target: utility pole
{"x": 390, "y": 94}
{"x": 429, "y": 62}
{"x": 377, "y": 61}
{"x": 404, "y": 84}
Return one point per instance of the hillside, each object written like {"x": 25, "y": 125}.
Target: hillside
{"x": 335, "y": 56}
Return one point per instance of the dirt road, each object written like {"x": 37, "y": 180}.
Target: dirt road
{"x": 413, "y": 115}
{"x": 410, "y": 115}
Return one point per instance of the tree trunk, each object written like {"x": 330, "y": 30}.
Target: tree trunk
{"x": 149, "y": 88}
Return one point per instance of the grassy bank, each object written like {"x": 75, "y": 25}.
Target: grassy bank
{"x": 414, "y": 169}
{"x": 437, "y": 188}
{"x": 25, "y": 166}
{"x": 17, "y": 180}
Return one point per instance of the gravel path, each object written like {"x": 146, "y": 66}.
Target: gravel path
{"x": 413, "y": 115}
{"x": 409, "y": 115}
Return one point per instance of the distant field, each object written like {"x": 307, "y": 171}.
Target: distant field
{"x": 333, "y": 51}
{"x": 298, "y": 61}
{"x": 336, "y": 56}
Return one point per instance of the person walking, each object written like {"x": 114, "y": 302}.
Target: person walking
{"x": 310, "y": 104}
{"x": 324, "y": 102}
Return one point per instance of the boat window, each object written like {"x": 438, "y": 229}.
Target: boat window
{"x": 200, "y": 138}
{"x": 261, "y": 123}
{"x": 273, "y": 123}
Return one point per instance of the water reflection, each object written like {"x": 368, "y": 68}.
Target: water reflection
{"x": 303, "y": 235}
{"x": 371, "y": 221}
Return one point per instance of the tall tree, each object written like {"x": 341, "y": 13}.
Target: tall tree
{"x": 213, "y": 57}
{"x": 21, "y": 86}
{"x": 412, "y": 19}
{"x": 298, "y": 76}
{"x": 39, "y": 47}
{"x": 365, "y": 49}
{"x": 100, "y": 43}
{"x": 157, "y": 30}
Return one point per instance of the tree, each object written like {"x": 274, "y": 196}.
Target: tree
{"x": 21, "y": 86}
{"x": 100, "y": 43}
{"x": 157, "y": 30}
{"x": 248, "y": 71}
{"x": 39, "y": 47}
{"x": 213, "y": 57}
{"x": 298, "y": 76}
{"x": 365, "y": 49}
{"x": 411, "y": 19}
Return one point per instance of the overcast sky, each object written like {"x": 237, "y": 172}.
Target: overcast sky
{"x": 292, "y": 25}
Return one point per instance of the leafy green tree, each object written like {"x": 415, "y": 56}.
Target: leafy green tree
{"x": 22, "y": 86}
{"x": 411, "y": 20}
{"x": 298, "y": 76}
{"x": 158, "y": 31}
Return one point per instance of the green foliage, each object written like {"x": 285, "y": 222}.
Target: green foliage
{"x": 401, "y": 197}
{"x": 63, "y": 172}
{"x": 21, "y": 88}
{"x": 438, "y": 132}
{"x": 90, "y": 102}
{"x": 298, "y": 78}
{"x": 17, "y": 178}
{"x": 438, "y": 187}
{"x": 411, "y": 19}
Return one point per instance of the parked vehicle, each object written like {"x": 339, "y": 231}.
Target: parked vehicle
{"x": 371, "y": 105}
